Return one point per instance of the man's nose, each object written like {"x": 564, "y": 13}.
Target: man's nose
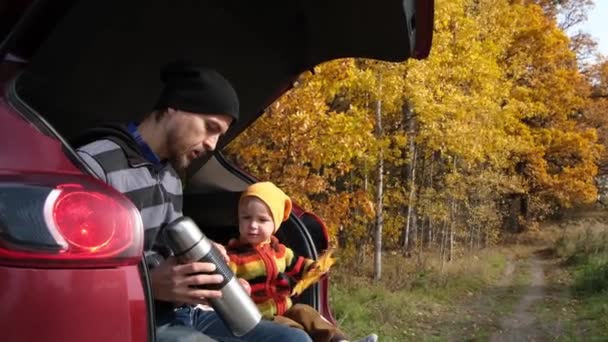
{"x": 211, "y": 142}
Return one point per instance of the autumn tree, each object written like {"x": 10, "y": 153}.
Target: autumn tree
{"x": 494, "y": 130}
{"x": 547, "y": 86}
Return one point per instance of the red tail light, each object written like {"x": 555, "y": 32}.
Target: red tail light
{"x": 82, "y": 220}
{"x": 66, "y": 221}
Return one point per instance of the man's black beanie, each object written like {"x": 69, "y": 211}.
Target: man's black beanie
{"x": 197, "y": 90}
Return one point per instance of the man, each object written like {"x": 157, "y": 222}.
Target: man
{"x": 144, "y": 161}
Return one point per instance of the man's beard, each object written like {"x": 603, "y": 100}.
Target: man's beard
{"x": 180, "y": 166}
{"x": 179, "y": 162}
{"x": 178, "y": 155}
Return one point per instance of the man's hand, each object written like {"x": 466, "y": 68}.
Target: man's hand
{"x": 170, "y": 282}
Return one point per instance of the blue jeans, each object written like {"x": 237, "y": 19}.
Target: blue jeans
{"x": 180, "y": 333}
{"x": 210, "y": 324}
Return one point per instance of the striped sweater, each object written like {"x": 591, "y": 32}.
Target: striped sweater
{"x": 156, "y": 190}
{"x": 272, "y": 269}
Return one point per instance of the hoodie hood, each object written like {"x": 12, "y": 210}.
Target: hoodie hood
{"x": 118, "y": 133}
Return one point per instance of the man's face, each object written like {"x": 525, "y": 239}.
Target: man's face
{"x": 192, "y": 135}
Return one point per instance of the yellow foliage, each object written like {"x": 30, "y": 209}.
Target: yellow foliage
{"x": 316, "y": 271}
{"x": 496, "y": 111}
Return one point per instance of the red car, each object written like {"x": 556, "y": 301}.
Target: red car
{"x": 71, "y": 266}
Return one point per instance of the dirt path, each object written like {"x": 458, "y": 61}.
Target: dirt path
{"x": 532, "y": 300}
{"x": 521, "y": 324}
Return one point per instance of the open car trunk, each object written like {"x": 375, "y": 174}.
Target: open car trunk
{"x": 101, "y": 61}
{"x": 98, "y": 61}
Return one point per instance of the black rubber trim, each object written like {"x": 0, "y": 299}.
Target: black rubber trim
{"x": 145, "y": 280}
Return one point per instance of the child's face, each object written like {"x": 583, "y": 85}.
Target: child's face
{"x": 255, "y": 221}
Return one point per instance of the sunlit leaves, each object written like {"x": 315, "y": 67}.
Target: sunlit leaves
{"x": 499, "y": 109}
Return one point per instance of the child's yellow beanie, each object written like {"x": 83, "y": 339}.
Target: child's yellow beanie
{"x": 276, "y": 200}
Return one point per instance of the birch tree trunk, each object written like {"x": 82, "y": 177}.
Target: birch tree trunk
{"x": 408, "y": 172}
{"x": 379, "y": 194}
{"x": 362, "y": 244}
{"x": 452, "y": 216}
{"x": 410, "y": 204}
{"x": 452, "y": 221}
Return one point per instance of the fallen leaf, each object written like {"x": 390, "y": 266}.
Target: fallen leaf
{"x": 315, "y": 273}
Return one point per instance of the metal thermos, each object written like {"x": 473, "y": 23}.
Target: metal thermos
{"x": 235, "y": 307}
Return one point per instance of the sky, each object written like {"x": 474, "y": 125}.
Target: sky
{"x": 597, "y": 25}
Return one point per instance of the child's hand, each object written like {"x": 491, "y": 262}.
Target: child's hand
{"x": 222, "y": 250}
{"x": 245, "y": 285}
{"x": 314, "y": 273}
{"x": 317, "y": 270}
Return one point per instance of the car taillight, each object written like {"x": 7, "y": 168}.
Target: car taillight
{"x": 50, "y": 220}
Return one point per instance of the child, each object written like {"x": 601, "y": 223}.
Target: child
{"x": 270, "y": 267}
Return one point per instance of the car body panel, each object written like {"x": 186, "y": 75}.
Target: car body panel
{"x": 104, "y": 304}
{"x": 25, "y": 148}
{"x": 72, "y": 305}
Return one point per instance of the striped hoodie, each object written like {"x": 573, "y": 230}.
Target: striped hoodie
{"x": 156, "y": 190}
{"x": 272, "y": 269}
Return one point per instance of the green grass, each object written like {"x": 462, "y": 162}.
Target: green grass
{"x": 414, "y": 303}
{"x": 591, "y": 289}
{"x": 419, "y": 300}
{"x": 585, "y": 255}
{"x": 464, "y": 302}
{"x": 591, "y": 277}
{"x": 393, "y": 315}
{"x": 593, "y": 316}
